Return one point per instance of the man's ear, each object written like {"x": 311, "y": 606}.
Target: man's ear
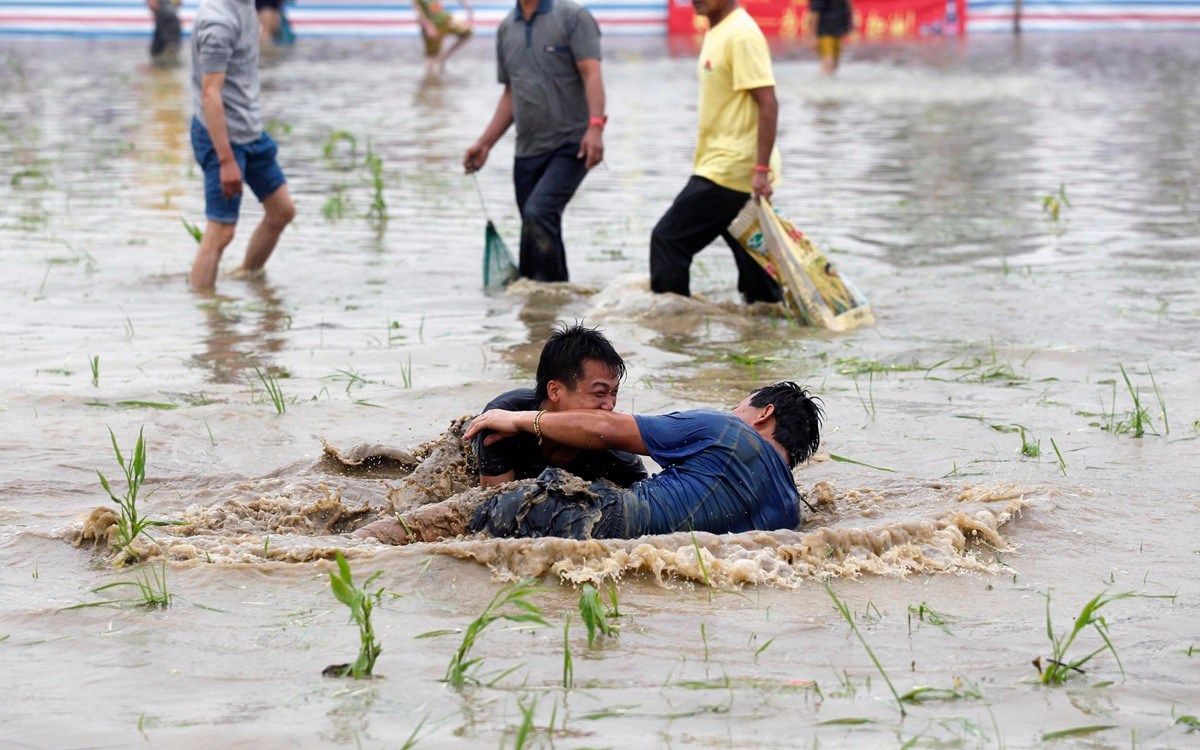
{"x": 554, "y": 392}
{"x": 767, "y": 413}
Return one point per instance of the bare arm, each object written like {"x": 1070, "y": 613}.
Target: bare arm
{"x": 218, "y": 131}
{"x": 502, "y": 119}
{"x": 591, "y": 149}
{"x": 768, "y": 122}
{"x": 591, "y": 429}
{"x": 492, "y": 481}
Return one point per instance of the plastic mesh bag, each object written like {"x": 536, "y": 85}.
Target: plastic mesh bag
{"x": 499, "y": 268}
{"x": 813, "y": 290}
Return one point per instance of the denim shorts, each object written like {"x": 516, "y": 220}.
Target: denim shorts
{"x": 256, "y": 159}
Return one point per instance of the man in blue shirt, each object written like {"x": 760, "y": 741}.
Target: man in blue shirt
{"x": 723, "y": 472}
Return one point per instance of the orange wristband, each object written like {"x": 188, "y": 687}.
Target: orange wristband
{"x": 598, "y": 122}
{"x": 763, "y": 168}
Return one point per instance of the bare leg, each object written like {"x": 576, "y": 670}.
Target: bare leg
{"x": 268, "y": 24}
{"x": 458, "y": 42}
{"x": 279, "y": 211}
{"x": 428, "y": 523}
{"x": 217, "y": 237}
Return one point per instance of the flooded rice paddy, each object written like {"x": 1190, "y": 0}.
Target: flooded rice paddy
{"x": 981, "y": 447}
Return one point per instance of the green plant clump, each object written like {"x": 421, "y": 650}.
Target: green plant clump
{"x": 130, "y": 523}
{"x": 510, "y": 603}
{"x": 151, "y": 587}
{"x": 595, "y": 615}
{"x": 361, "y": 603}
{"x": 1059, "y": 666}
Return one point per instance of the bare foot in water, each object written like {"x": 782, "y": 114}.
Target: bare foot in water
{"x": 386, "y": 530}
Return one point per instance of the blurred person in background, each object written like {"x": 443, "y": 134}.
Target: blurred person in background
{"x": 164, "y": 45}
{"x": 436, "y": 24}
{"x": 831, "y": 21}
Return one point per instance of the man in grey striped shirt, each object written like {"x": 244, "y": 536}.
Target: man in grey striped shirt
{"x": 228, "y": 138}
{"x": 548, "y": 60}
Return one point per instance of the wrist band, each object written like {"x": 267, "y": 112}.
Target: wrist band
{"x": 537, "y": 425}
{"x": 763, "y": 168}
{"x": 599, "y": 122}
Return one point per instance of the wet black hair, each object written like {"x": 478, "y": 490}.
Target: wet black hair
{"x": 565, "y": 351}
{"x": 797, "y": 418}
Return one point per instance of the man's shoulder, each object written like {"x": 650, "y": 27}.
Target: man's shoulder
{"x": 744, "y": 26}
{"x": 215, "y": 12}
{"x": 507, "y": 22}
{"x": 518, "y": 399}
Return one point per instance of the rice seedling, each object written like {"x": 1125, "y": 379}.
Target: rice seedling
{"x": 377, "y": 211}
{"x": 568, "y": 670}
{"x": 1062, "y": 462}
{"x": 527, "y": 707}
{"x": 1191, "y": 723}
{"x": 1076, "y": 731}
{"x": 129, "y": 332}
{"x": 1059, "y": 665}
{"x": 412, "y": 738}
{"x": 361, "y": 602}
{"x": 192, "y": 229}
{"x": 335, "y": 205}
{"x": 1054, "y": 203}
{"x": 211, "y": 439}
{"x": 614, "y": 600}
{"x": 130, "y": 523}
{"x": 849, "y": 618}
{"x": 595, "y": 616}
{"x": 137, "y": 404}
{"x": 94, "y": 364}
{"x": 511, "y": 604}
{"x": 151, "y": 588}
{"x": 704, "y": 640}
{"x": 352, "y": 377}
{"x": 274, "y": 392}
{"x": 763, "y": 647}
{"x": 869, "y": 404}
{"x": 925, "y": 613}
{"x": 845, "y": 460}
{"x": 961, "y": 690}
{"x": 406, "y": 375}
{"x": 1029, "y": 448}
{"x": 856, "y": 366}
{"x": 334, "y": 151}
{"x": 30, "y": 175}
{"x": 1162, "y": 405}
{"x": 1140, "y": 416}
{"x": 700, "y": 562}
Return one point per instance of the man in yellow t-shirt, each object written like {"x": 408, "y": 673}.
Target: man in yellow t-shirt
{"x": 735, "y": 159}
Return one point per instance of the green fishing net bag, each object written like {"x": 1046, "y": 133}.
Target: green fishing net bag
{"x": 499, "y": 268}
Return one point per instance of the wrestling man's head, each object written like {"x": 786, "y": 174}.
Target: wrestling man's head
{"x": 788, "y": 414}
{"x": 578, "y": 369}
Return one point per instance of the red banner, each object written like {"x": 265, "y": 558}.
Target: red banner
{"x": 788, "y": 19}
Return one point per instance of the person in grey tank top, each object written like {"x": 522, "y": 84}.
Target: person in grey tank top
{"x": 228, "y": 138}
{"x": 548, "y": 60}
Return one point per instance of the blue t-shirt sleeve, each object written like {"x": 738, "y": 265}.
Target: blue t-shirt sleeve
{"x": 671, "y": 438}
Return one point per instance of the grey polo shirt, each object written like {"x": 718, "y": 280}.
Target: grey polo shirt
{"x": 538, "y": 60}
{"x": 225, "y": 40}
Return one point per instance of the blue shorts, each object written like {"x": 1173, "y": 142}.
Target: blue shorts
{"x": 256, "y": 159}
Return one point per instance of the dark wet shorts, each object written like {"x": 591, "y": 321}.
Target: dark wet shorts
{"x": 560, "y": 504}
{"x": 260, "y": 172}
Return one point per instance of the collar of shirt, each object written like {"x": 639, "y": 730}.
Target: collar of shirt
{"x": 543, "y": 7}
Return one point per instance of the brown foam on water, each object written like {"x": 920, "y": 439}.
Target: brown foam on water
{"x": 894, "y": 529}
{"x": 950, "y": 527}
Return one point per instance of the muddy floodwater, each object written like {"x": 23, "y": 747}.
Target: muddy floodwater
{"x": 1024, "y": 215}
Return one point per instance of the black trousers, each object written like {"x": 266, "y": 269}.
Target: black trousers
{"x": 700, "y": 214}
{"x": 544, "y": 185}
